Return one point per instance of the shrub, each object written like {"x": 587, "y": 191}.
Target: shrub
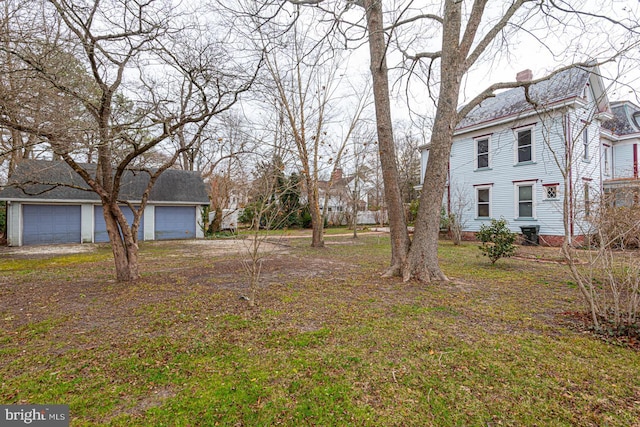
{"x": 3, "y": 217}
{"x": 497, "y": 240}
{"x": 445, "y": 220}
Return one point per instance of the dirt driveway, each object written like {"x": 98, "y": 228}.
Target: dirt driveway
{"x": 211, "y": 247}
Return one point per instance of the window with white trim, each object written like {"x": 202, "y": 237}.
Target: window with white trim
{"x": 482, "y": 153}
{"x": 605, "y": 160}
{"x": 551, "y": 192}
{"x": 525, "y": 195}
{"x": 483, "y": 202}
{"x": 587, "y": 200}
{"x": 524, "y": 145}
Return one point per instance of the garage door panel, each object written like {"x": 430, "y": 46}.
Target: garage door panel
{"x": 47, "y": 224}
{"x": 100, "y": 234}
{"x": 175, "y": 222}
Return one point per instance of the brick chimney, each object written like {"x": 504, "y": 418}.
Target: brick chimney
{"x": 337, "y": 175}
{"x": 524, "y": 76}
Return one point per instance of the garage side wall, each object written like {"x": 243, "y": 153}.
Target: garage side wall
{"x": 149, "y": 222}
{"x": 86, "y": 228}
{"x": 14, "y": 224}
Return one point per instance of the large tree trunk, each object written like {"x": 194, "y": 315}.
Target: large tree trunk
{"x": 124, "y": 243}
{"x": 377, "y": 48}
{"x": 423, "y": 258}
{"x": 216, "y": 224}
{"x": 317, "y": 220}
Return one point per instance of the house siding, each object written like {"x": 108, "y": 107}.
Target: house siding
{"x": 623, "y": 159}
{"x": 14, "y": 224}
{"x": 550, "y": 131}
{"x": 504, "y": 174}
{"x": 87, "y": 223}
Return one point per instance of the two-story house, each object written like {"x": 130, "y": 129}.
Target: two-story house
{"x": 524, "y": 153}
{"x": 620, "y": 145}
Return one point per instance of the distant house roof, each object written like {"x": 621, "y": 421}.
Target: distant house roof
{"x": 564, "y": 86}
{"x": 626, "y": 118}
{"x": 55, "y": 180}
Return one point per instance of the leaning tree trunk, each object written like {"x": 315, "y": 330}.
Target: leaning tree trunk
{"x": 423, "y": 262}
{"x": 123, "y": 244}
{"x": 398, "y": 227}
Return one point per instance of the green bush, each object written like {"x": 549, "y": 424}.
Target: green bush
{"x": 497, "y": 240}
{"x": 3, "y": 217}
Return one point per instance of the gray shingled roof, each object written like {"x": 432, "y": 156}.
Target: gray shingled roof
{"x": 563, "y": 86}
{"x": 55, "y": 180}
{"x": 625, "y": 118}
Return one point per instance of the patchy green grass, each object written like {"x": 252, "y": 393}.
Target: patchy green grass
{"x": 330, "y": 342}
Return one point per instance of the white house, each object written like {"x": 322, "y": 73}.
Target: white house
{"x": 340, "y": 193}
{"x": 511, "y": 154}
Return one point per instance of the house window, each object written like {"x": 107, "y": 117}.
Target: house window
{"x": 482, "y": 153}
{"x": 605, "y": 159}
{"x": 587, "y": 200}
{"x": 525, "y": 199}
{"x": 585, "y": 143}
{"x": 525, "y": 146}
{"x": 483, "y": 196}
{"x": 551, "y": 192}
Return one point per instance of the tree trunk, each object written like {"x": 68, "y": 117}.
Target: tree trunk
{"x": 398, "y": 227}
{"x": 423, "y": 257}
{"x": 216, "y": 224}
{"x": 423, "y": 262}
{"x": 317, "y": 220}
{"x": 123, "y": 244}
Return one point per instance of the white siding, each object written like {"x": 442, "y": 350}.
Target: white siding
{"x": 423, "y": 164}
{"x": 623, "y": 160}
{"x": 14, "y": 224}
{"x": 504, "y": 174}
{"x": 585, "y": 171}
{"x": 199, "y": 230}
{"x": 87, "y": 223}
{"x": 149, "y": 222}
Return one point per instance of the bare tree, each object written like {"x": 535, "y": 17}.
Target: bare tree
{"x": 460, "y": 201}
{"x": 305, "y": 77}
{"x": 596, "y": 231}
{"x": 270, "y": 210}
{"x": 26, "y": 98}
{"x": 441, "y": 44}
{"x": 152, "y": 73}
{"x": 467, "y": 34}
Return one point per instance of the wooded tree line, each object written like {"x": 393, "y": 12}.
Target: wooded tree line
{"x": 221, "y": 85}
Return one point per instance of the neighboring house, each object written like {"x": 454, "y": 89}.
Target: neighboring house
{"x": 341, "y": 191}
{"x": 48, "y": 203}
{"x": 510, "y": 156}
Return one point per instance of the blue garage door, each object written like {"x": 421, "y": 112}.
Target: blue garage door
{"x": 45, "y": 224}
{"x": 175, "y": 222}
{"x": 100, "y": 226}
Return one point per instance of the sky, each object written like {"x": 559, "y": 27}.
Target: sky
{"x": 546, "y": 46}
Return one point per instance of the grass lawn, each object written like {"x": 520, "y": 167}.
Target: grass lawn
{"x": 329, "y": 344}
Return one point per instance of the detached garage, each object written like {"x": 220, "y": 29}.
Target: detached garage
{"x": 48, "y": 203}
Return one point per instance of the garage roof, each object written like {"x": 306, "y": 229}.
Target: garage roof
{"x": 55, "y": 180}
